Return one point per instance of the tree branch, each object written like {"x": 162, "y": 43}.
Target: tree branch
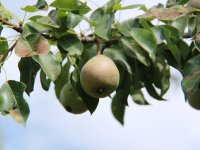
{"x": 13, "y": 26}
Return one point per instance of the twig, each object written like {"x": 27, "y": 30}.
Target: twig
{"x": 15, "y": 27}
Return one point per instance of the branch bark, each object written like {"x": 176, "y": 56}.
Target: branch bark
{"x": 13, "y": 26}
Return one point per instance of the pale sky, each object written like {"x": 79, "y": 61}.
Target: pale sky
{"x": 170, "y": 125}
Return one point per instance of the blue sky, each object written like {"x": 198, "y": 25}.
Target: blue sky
{"x": 170, "y": 125}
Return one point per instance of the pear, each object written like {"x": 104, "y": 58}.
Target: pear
{"x": 194, "y": 4}
{"x": 71, "y": 101}
{"x": 99, "y": 77}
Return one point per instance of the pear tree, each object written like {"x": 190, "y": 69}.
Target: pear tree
{"x": 112, "y": 58}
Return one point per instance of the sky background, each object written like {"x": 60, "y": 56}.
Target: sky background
{"x": 170, "y": 125}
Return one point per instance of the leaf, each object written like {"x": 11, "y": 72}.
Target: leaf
{"x": 191, "y": 76}
{"x": 5, "y": 14}
{"x": 118, "y": 107}
{"x": 73, "y": 20}
{"x": 119, "y": 6}
{"x": 71, "y": 44}
{"x": 168, "y": 13}
{"x": 132, "y": 49}
{"x": 62, "y": 79}
{"x": 45, "y": 82}
{"x": 126, "y": 26}
{"x": 171, "y": 36}
{"x": 138, "y": 97}
{"x": 11, "y": 98}
{"x": 180, "y": 24}
{"x": 152, "y": 91}
{"x": 119, "y": 57}
{"x": 40, "y": 5}
{"x": 160, "y": 75}
{"x": 90, "y": 102}
{"x": 46, "y": 20}
{"x": 49, "y": 64}
{"x": 146, "y": 40}
{"x": 4, "y": 45}
{"x": 28, "y": 70}
{"x": 33, "y": 44}
{"x": 120, "y": 99}
{"x": 103, "y": 23}
{"x": 71, "y": 6}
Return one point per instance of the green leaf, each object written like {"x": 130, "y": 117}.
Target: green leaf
{"x": 40, "y": 5}
{"x": 152, "y": 91}
{"x": 132, "y": 49}
{"x": 119, "y": 6}
{"x": 71, "y": 44}
{"x": 28, "y": 70}
{"x": 191, "y": 76}
{"x": 119, "y": 56}
{"x": 71, "y": 6}
{"x": 120, "y": 99}
{"x": 45, "y": 82}
{"x": 46, "y": 20}
{"x": 11, "y": 99}
{"x": 49, "y": 64}
{"x": 160, "y": 75}
{"x": 118, "y": 107}
{"x": 4, "y": 45}
{"x": 171, "y": 36}
{"x": 126, "y": 26}
{"x": 146, "y": 40}
{"x": 73, "y": 20}
{"x": 138, "y": 97}
{"x": 5, "y": 14}
{"x": 181, "y": 24}
{"x": 103, "y": 23}
{"x": 62, "y": 79}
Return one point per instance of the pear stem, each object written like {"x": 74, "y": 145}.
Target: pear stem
{"x": 97, "y": 40}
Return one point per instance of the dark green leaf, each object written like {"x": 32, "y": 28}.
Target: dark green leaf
{"x": 62, "y": 79}
{"x": 120, "y": 99}
{"x": 138, "y": 97}
{"x": 28, "y": 71}
{"x": 160, "y": 75}
{"x": 132, "y": 49}
{"x": 11, "y": 99}
{"x": 118, "y": 107}
{"x": 146, "y": 40}
{"x": 89, "y": 101}
{"x": 191, "y": 76}
{"x": 71, "y": 44}
{"x": 3, "y": 45}
{"x": 45, "y": 82}
{"x": 118, "y": 56}
{"x": 49, "y": 64}
{"x": 152, "y": 91}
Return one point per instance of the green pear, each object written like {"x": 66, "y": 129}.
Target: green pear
{"x": 71, "y": 101}
{"x": 99, "y": 77}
